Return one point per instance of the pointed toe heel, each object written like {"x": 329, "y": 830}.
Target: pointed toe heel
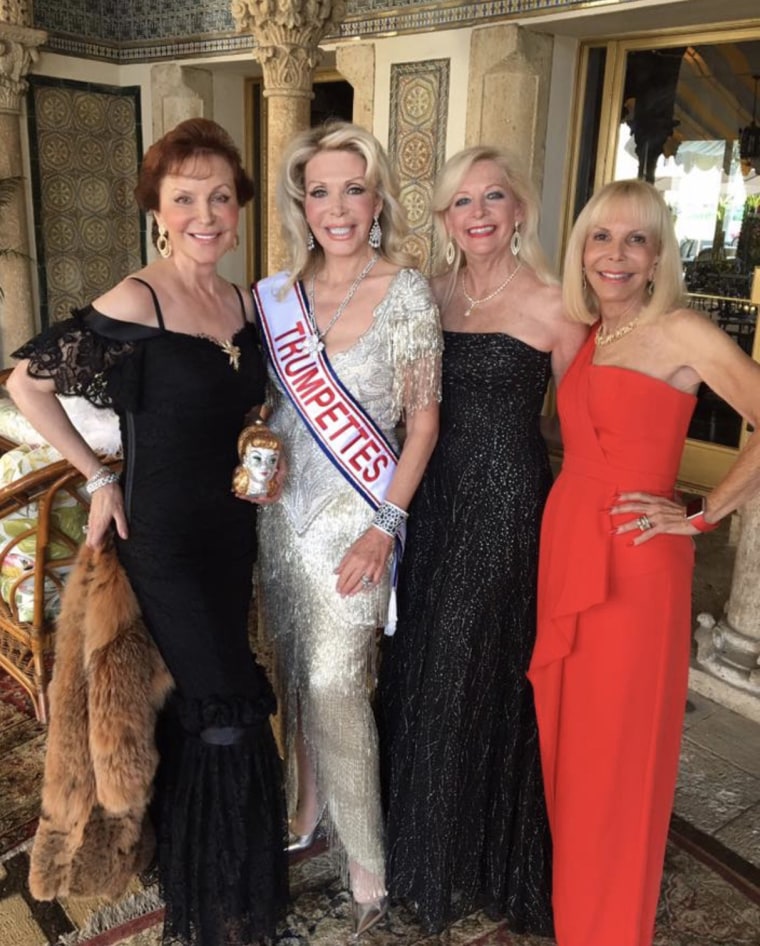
{"x": 368, "y": 915}
{"x": 302, "y": 842}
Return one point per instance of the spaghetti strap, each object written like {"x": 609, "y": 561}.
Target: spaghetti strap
{"x": 159, "y": 314}
{"x": 241, "y": 300}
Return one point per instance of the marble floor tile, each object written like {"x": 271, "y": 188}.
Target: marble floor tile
{"x": 742, "y": 835}
{"x": 730, "y": 736}
{"x": 711, "y": 792}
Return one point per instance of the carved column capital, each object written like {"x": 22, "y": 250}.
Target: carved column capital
{"x": 287, "y": 34}
{"x": 18, "y": 50}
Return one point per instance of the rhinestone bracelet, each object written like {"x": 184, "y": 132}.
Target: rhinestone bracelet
{"x": 388, "y": 518}
{"x": 103, "y": 477}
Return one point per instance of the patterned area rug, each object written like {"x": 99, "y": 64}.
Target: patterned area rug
{"x": 698, "y": 907}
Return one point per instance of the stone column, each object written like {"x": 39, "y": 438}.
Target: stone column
{"x": 508, "y": 97}
{"x": 177, "y": 93}
{"x": 730, "y": 648}
{"x": 287, "y": 35}
{"x": 18, "y": 50}
{"x": 356, "y": 63}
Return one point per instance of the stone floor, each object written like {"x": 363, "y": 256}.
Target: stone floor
{"x": 718, "y": 789}
{"x": 719, "y": 780}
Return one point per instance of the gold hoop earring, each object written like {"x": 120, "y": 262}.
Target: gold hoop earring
{"x": 163, "y": 244}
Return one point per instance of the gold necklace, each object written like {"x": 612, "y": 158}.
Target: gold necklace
{"x": 473, "y": 302}
{"x": 608, "y": 338}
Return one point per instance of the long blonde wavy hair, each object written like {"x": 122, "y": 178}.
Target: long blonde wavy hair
{"x": 380, "y": 177}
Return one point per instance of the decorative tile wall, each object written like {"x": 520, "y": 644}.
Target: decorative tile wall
{"x": 85, "y": 143}
{"x": 417, "y": 143}
{"x": 137, "y": 30}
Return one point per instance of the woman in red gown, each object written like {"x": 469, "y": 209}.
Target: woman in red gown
{"x": 610, "y": 664}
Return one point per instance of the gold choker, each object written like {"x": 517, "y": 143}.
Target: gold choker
{"x": 607, "y": 339}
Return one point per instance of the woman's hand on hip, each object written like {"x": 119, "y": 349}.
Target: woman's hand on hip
{"x": 363, "y": 565}
{"x": 655, "y": 515}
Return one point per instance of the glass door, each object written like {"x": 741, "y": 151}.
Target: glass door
{"x": 683, "y": 115}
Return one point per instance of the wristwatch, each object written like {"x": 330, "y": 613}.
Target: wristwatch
{"x": 695, "y": 514}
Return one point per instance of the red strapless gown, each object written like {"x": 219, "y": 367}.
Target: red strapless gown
{"x": 610, "y": 665}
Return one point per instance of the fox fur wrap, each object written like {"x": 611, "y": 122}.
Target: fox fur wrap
{"x": 109, "y": 682}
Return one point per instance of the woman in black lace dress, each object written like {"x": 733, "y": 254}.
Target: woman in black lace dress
{"x": 175, "y": 351}
{"x": 466, "y": 819}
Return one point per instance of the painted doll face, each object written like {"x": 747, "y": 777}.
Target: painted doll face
{"x": 261, "y": 463}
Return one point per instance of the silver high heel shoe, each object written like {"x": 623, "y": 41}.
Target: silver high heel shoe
{"x": 302, "y": 842}
{"x": 367, "y": 915}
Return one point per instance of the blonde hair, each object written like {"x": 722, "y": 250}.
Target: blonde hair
{"x": 449, "y": 183}
{"x": 648, "y": 212}
{"x": 257, "y": 435}
{"x": 380, "y": 177}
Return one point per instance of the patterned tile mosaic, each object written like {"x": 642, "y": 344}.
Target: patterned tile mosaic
{"x": 85, "y": 143}
{"x": 138, "y": 30}
{"x": 416, "y": 144}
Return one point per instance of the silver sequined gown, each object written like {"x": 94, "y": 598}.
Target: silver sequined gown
{"x": 323, "y": 643}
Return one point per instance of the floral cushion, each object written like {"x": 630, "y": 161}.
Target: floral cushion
{"x": 17, "y": 557}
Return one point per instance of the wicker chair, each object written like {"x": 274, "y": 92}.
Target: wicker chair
{"x": 26, "y": 647}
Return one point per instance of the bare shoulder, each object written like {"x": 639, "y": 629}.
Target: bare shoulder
{"x": 548, "y": 307}
{"x": 130, "y": 300}
{"x": 687, "y": 327}
{"x": 440, "y": 287}
{"x": 245, "y": 293}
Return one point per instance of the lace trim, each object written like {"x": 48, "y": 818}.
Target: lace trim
{"x": 75, "y": 358}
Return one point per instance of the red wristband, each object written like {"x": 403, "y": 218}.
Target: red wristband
{"x": 695, "y": 514}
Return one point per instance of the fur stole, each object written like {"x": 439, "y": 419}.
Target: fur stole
{"x": 109, "y": 682}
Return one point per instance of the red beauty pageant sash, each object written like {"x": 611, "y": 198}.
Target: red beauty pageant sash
{"x": 344, "y": 431}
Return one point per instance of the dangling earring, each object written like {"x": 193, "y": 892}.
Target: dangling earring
{"x": 163, "y": 245}
{"x": 375, "y": 235}
{"x": 310, "y": 241}
{"x": 451, "y": 252}
{"x": 515, "y": 244}
{"x": 584, "y": 283}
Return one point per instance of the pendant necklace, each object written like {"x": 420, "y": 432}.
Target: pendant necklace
{"x": 471, "y": 303}
{"x": 313, "y": 343}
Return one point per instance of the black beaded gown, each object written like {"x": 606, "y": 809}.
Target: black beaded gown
{"x": 219, "y": 802}
{"x": 466, "y": 820}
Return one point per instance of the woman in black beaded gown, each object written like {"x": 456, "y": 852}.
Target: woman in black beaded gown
{"x": 466, "y": 820}
{"x": 175, "y": 351}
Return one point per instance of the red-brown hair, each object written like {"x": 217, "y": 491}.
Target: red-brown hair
{"x": 190, "y": 139}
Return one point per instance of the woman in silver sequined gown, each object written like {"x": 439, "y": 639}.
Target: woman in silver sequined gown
{"x": 467, "y": 824}
{"x": 381, "y": 334}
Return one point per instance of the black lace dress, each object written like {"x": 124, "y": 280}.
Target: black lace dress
{"x": 466, "y": 821}
{"x": 219, "y": 805}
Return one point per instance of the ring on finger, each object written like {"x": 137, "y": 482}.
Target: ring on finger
{"x": 366, "y": 581}
{"x": 644, "y": 523}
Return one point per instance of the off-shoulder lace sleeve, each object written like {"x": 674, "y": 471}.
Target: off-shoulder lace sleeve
{"x": 75, "y": 356}
{"x": 417, "y": 344}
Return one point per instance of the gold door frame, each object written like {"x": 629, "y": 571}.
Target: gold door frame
{"x": 703, "y": 464}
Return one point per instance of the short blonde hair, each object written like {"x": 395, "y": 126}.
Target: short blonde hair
{"x": 648, "y": 212}
{"x": 449, "y": 183}
{"x": 337, "y": 136}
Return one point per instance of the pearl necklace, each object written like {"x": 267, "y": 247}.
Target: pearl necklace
{"x": 313, "y": 342}
{"x": 491, "y": 295}
{"x": 607, "y": 338}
